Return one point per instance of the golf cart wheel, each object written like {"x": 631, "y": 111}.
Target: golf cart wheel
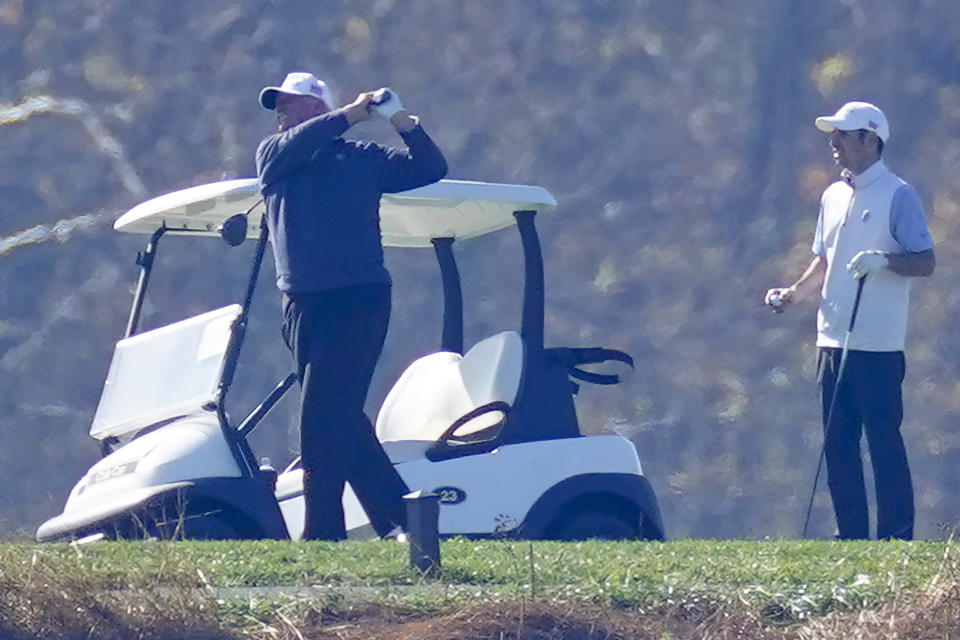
{"x": 597, "y": 525}
{"x": 166, "y": 522}
{"x": 600, "y": 519}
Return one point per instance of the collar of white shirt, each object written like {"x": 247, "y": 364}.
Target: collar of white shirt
{"x": 868, "y": 176}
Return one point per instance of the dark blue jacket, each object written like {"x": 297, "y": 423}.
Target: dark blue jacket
{"x": 323, "y": 199}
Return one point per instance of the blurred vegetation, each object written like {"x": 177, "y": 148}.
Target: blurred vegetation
{"x": 795, "y": 579}
{"x": 265, "y": 590}
{"x": 678, "y": 138}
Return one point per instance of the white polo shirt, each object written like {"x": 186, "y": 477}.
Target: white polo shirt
{"x": 880, "y": 211}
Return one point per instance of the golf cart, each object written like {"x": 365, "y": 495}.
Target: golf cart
{"x": 492, "y": 430}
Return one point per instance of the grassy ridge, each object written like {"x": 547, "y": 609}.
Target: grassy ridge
{"x": 808, "y": 576}
{"x": 268, "y": 589}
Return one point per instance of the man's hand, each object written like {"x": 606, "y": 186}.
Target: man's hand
{"x": 867, "y": 262}
{"x": 778, "y": 298}
{"x": 385, "y": 103}
{"x": 359, "y": 109}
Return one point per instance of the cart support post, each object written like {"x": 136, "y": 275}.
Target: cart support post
{"x": 145, "y": 261}
{"x": 452, "y": 337}
{"x": 531, "y": 328}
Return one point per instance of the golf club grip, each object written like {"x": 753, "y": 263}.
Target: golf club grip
{"x": 856, "y": 303}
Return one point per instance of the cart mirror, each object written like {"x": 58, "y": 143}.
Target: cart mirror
{"x": 233, "y": 230}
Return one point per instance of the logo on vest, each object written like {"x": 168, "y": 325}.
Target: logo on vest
{"x": 865, "y": 216}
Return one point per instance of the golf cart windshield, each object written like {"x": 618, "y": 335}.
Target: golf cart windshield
{"x": 164, "y": 373}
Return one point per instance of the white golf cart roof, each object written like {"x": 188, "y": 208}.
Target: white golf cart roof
{"x": 449, "y": 208}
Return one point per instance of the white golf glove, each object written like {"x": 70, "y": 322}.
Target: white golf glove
{"x": 385, "y": 103}
{"x": 867, "y": 262}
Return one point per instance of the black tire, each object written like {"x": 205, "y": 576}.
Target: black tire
{"x": 167, "y": 522}
{"x": 221, "y": 525}
{"x": 594, "y": 524}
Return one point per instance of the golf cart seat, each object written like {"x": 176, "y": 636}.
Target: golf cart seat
{"x": 165, "y": 373}
{"x": 448, "y": 401}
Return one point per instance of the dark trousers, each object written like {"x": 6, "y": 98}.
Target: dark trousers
{"x": 868, "y": 399}
{"x": 336, "y": 337}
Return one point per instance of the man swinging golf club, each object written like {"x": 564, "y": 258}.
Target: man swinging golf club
{"x": 322, "y": 198}
{"x": 871, "y": 226}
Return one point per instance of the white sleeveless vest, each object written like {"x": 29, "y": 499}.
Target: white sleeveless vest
{"x": 853, "y": 220}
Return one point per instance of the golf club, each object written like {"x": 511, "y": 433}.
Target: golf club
{"x": 833, "y": 403}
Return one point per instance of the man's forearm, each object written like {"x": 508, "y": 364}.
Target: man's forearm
{"x": 402, "y": 121}
{"x": 919, "y": 264}
{"x": 811, "y": 280}
{"x": 421, "y": 164}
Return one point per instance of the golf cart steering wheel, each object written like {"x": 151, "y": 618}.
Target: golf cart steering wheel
{"x": 452, "y": 445}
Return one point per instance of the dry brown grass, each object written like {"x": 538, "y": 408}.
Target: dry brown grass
{"x": 71, "y": 613}
{"x": 37, "y": 601}
{"x": 934, "y": 615}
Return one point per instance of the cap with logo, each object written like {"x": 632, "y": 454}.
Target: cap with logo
{"x": 856, "y": 115}
{"x": 298, "y": 84}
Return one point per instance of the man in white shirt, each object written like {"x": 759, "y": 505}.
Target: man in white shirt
{"x": 872, "y": 226}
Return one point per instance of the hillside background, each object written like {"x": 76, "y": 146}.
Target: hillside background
{"x": 677, "y": 137}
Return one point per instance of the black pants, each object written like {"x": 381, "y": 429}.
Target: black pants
{"x": 336, "y": 337}
{"x": 868, "y": 399}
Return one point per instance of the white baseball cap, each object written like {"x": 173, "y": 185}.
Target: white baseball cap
{"x": 856, "y": 115}
{"x": 298, "y": 83}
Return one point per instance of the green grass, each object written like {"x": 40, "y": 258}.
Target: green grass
{"x": 779, "y": 580}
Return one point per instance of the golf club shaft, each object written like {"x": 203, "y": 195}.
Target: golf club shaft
{"x": 833, "y": 402}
